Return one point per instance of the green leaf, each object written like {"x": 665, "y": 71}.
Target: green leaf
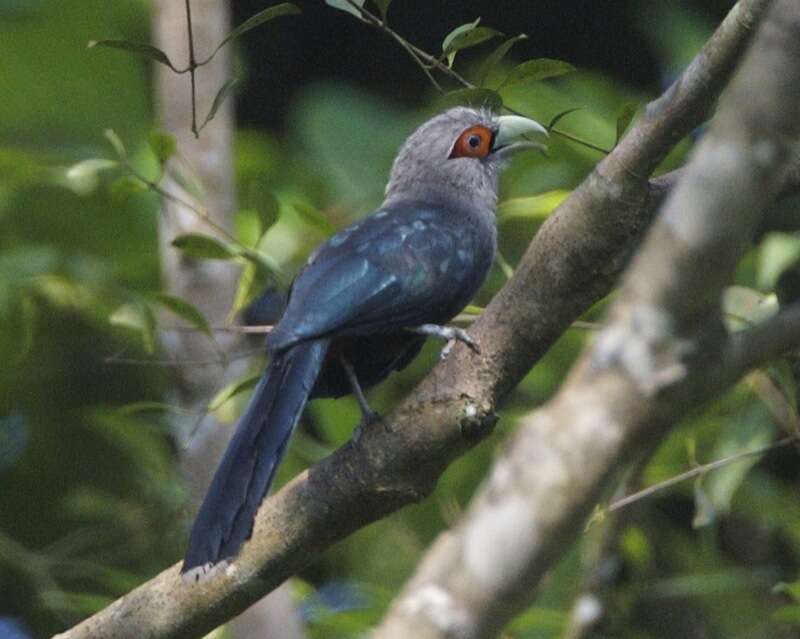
{"x": 465, "y": 36}
{"x": 472, "y": 38}
{"x": 464, "y": 28}
{"x": 535, "y": 70}
{"x": 162, "y": 145}
{"x": 624, "y": 119}
{"x": 185, "y": 310}
{"x": 204, "y": 247}
{"x": 778, "y": 251}
{"x": 252, "y": 282}
{"x": 745, "y": 307}
{"x": 219, "y": 99}
{"x": 495, "y": 57}
{"x": 558, "y": 116}
{"x": 247, "y": 226}
{"x": 284, "y": 9}
{"x": 792, "y": 589}
{"x": 314, "y": 217}
{"x": 122, "y": 188}
{"x": 75, "y": 603}
{"x": 232, "y": 390}
{"x": 344, "y": 5}
{"x": 704, "y": 512}
{"x": 139, "y": 48}
{"x": 478, "y": 98}
{"x": 535, "y": 207}
{"x": 383, "y": 7}
{"x": 787, "y": 614}
{"x": 261, "y": 198}
{"x": 90, "y": 168}
{"x": 116, "y": 142}
{"x": 138, "y": 317}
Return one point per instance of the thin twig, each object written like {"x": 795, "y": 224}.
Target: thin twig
{"x": 248, "y": 330}
{"x": 192, "y": 68}
{"x": 422, "y": 57}
{"x": 696, "y": 471}
{"x": 171, "y": 363}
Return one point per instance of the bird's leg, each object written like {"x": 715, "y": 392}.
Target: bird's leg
{"x": 449, "y": 333}
{"x": 367, "y": 414}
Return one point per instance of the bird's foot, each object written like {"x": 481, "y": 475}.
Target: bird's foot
{"x": 451, "y": 334}
{"x": 369, "y": 418}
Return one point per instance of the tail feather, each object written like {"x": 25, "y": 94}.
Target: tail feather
{"x": 225, "y": 519}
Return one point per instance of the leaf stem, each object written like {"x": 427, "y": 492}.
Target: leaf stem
{"x": 192, "y": 68}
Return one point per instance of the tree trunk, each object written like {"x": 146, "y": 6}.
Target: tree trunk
{"x": 209, "y": 285}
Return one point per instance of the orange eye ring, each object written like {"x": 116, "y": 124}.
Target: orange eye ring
{"x": 475, "y": 142}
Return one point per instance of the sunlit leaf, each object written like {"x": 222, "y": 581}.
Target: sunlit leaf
{"x": 536, "y": 207}
{"x": 465, "y": 36}
{"x": 219, "y": 99}
{"x": 494, "y": 58}
{"x": 745, "y": 307}
{"x": 792, "y": 589}
{"x": 139, "y": 48}
{"x": 283, "y": 9}
{"x": 253, "y": 280}
{"x": 232, "y": 390}
{"x": 162, "y": 145}
{"x": 185, "y": 310}
{"x": 344, "y": 5}
{"x": 204, "y": 246}
{"x": 263, "y": 200}
{"x": 90, "y": 168}
{"x": 77, "y": 603}
{"x": 624, "y": 119}
{"x": 476, "y": 98}
{"x": 137, "y": 317}
{"x": 538, "y": 69}
{"x": 459, "y": 30}
{"x": 704, "y": 512}
{"x": 116, "y": 142}
{"x": 778, "y": 251}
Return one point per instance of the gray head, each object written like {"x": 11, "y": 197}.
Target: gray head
{"x": 457, "y": 156}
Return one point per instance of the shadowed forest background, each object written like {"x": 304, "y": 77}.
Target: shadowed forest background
{"x": 92, "y": 501}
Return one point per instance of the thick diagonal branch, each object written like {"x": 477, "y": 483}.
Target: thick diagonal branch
{"x": 663, "y": 353}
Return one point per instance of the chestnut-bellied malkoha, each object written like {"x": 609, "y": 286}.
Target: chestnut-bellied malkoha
{"x": 364, "y": 303}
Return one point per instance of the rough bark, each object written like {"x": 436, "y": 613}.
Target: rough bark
{"x": 663, "y": 353}
{"x": 572, "y": 263}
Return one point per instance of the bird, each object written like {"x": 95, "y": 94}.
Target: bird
{"x": 364, "y": 304}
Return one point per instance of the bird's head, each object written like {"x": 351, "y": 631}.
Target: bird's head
{"x": 456, "y": 157}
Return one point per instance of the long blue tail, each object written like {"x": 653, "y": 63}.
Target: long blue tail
{"x": 225, "y": 519}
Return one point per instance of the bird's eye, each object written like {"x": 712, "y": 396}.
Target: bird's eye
{"x": 475, "y": 142}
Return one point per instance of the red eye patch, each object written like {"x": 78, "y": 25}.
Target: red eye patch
{"x": 475, "y": 142}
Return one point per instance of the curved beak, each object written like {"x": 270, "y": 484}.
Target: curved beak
{"x": 513, "y": 133}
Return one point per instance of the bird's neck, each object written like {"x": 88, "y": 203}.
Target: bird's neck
{"x": 465, "y": 190}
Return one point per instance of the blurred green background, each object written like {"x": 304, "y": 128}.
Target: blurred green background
{"x": 91, "y": 501}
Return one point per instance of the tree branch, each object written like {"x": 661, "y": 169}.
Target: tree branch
{"x": 572, "y": 263}
{"x": 663, "y": 353}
